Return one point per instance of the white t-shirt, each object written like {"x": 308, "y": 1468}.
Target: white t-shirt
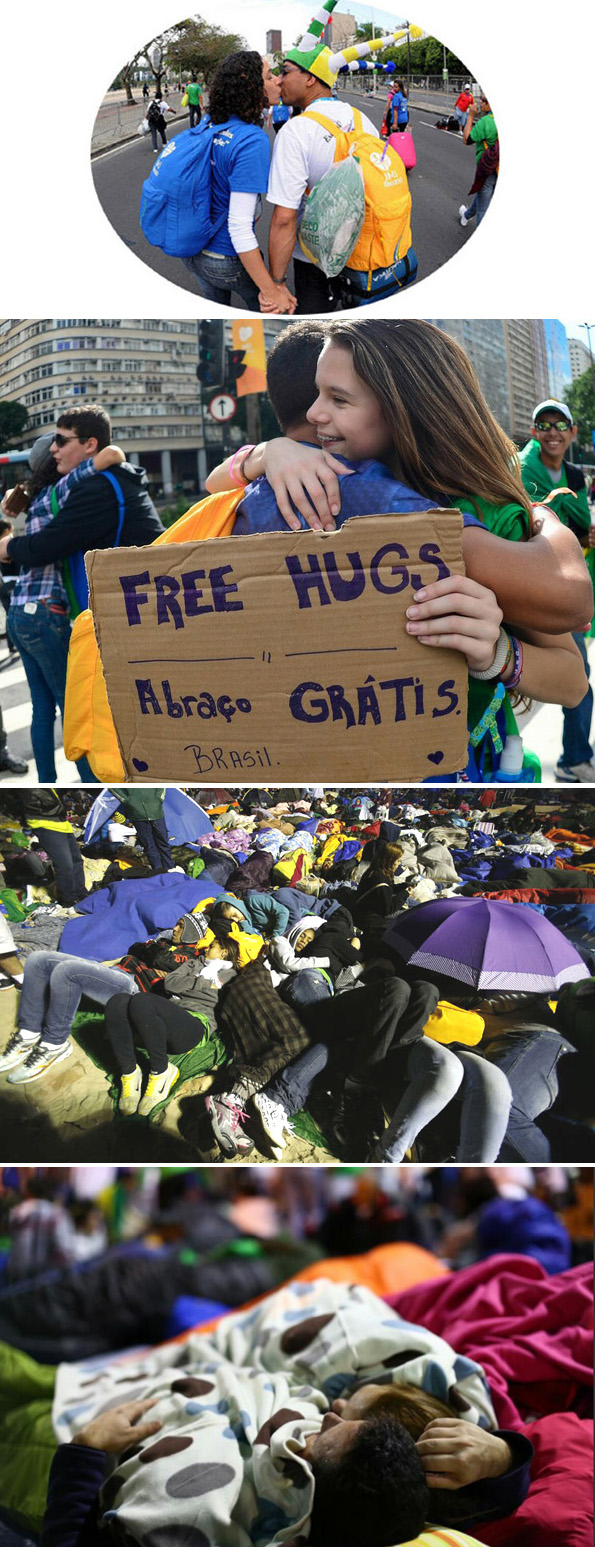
{"x": 303, "y": 152}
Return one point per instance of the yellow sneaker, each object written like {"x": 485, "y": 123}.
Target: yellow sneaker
{"x": 158, "y": 1087}
{"x": 130, "y": 1093}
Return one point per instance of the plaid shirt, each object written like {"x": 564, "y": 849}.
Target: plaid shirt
{"x": 46, "y": 584}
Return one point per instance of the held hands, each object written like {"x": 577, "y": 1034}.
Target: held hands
{"x": 116, "y": 1430}
{"x": 454, "y": 1453}
{"x": 278, "y": 299}
{"x": 457, "y": 614}
{"x": 295, "y": 472}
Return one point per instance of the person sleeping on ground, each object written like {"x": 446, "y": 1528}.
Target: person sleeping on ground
{"x": 278, "y": 1425}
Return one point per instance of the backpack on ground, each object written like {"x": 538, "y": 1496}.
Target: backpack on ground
{"x": 382, "y": 235}
{"x": 175, "y": 211}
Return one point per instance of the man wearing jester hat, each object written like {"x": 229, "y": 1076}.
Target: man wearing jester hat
{"x": 304, "y": 151}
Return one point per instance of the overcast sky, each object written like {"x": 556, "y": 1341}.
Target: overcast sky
{"x": 253, "y": 18}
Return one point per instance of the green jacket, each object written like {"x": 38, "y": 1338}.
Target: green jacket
{"x": 144, "y": 804}
{"x": 571, "y": 509}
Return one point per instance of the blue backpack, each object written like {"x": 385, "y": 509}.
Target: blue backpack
{"x": 175, "y": 211}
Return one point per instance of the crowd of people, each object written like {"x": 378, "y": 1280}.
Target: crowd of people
{"x": 376, "y": 417}
{"x": 387, "y": 1386}
{"x": 290, "y": 962}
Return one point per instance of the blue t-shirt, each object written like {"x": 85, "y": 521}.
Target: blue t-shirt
{"x": 400, "y": 108}
{"x": 372, "y": 490}
{"x": 280, "y": 113}
{"x": 240, "y": 160}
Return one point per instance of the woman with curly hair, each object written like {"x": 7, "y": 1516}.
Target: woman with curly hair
{"x": 242, "y": 87}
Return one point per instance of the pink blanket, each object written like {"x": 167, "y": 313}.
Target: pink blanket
{"x": 533, "y": 1335}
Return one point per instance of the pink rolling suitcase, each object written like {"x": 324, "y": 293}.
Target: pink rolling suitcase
{"x": 405, "y": 148}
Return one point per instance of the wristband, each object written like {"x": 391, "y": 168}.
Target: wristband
{"x": 238, "y": 477}
{"x": 517, "y": 670}
{"x": 498, "y": 663}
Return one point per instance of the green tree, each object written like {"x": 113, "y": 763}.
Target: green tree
{"x": 193, "y": 45}
{"x": 580, "y": 397}
{"x": 14, "y": 419}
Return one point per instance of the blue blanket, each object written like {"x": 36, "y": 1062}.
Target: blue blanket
{"x": 126, "y": 911}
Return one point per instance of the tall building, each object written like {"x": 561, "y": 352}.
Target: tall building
{"x": 143, "y": 372}
{"x": 580, "y": 359}
{"x": 559, "y": 362}
{"x": 510, "y": 358}
{"x": 274, "y": 44}
{"x": 343, "y": 28}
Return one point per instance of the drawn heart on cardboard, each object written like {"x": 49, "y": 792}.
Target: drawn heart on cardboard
{"x": 435, "y": 757}
{"x": 139, "y": 765}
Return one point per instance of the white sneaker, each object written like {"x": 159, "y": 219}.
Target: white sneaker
{"x": 158, "y": 1087}
{"x": 274, "y": 1119}
{"x": 130, "y": 1092}
{"x": 462, "y": 216}
{"x": 17, "y": 1050}
{"x": 39, "y": 1062}
{"x": 579, "y": 773}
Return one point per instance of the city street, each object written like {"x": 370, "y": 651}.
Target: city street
{"x": 439, "y": 185}
{"x": 541, "y": 725}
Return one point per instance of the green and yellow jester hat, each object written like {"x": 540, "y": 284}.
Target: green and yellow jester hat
{"x": 314, "y": 57}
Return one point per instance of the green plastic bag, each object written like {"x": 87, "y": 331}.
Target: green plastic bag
{"x": 333, "y": 217}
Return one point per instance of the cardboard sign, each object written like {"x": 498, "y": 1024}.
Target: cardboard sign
{"x": 282, "y": 657}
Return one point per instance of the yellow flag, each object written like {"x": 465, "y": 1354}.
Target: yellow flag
{"x": 249, "y": 336}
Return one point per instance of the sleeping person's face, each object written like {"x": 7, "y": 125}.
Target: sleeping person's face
{"x": 333, "y": 1440}
{"x": 228, "y": 911}
{"x": 361, "y": 1403}
{"x": 177, "y": 931}
{"x": 346, "y": 415}
{"x": 304, "y": 939}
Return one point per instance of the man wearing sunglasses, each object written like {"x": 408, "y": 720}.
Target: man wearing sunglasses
{"x": 547, "y": 475}
{"x": 103, "y": 512}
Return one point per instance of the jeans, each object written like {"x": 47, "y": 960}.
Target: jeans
{"x": 194, "y": 113}
{"x": 42, "y": 638}
{"x": 433, "y": 1078}
{"x": 301, "y": 988}
{"x": 487, "y": 1101}
{"x": 314, "y": 291}
{"x": 66, "y": 857}
{"x": 461, "y": 116}
{"x": 53, "y": 985}
{"x": 153, "y": 839}
{"x": 529, "y": 1056}
{"x": 148, "y": 1021}
{"x": 218, "y": 274}
{"x": 576, "y": 745}
{"x": 481, "y": 201}
{"x": 155, "y": 130}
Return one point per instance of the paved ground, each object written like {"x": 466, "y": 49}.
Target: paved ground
{"x": 68, "y": 1117}
{"x": 541, "y": 726}
{"x": 439, "y": 185}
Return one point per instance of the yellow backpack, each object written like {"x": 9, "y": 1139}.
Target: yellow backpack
{"x": 88, "y": 725}
{"x": 385, "y": 236}
{"x": 450, "y": 1024}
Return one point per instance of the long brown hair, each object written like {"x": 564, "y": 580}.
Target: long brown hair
{"x": 446, "y": 439}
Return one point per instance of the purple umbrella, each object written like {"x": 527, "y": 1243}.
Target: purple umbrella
{"x": 487, "y": 944}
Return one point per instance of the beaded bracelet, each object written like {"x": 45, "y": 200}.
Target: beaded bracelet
{"x": 517, "y": 670}
{"x": 244, "y": 453}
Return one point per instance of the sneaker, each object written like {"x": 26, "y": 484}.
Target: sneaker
{"x": 274, "y": 1120}
{"x": 579, "y": 773}
{"x": 462, "y": 216}
{"x": 17, "y": 1050}
{"x": 130, "y": 1092}
{"x": 11, "y": 764}
{"x": 39, "y": 1062}
{"x": 158, "y": 1087}
{"x": 227, "y": 1115}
